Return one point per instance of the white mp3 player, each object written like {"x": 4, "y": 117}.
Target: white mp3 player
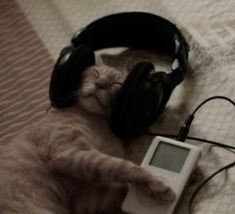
{"x": 172, "y": 160}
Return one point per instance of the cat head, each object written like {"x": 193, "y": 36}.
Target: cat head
{"x": 98, "y": 87}
{"x": 77, "y": 79}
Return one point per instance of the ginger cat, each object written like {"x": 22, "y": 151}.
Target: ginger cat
{"x": 70, "y": 162}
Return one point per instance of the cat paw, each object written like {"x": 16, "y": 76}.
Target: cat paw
{"x": 158, "y": 190}
{"x": 155, "y": 187}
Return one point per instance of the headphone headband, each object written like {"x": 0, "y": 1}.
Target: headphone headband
{"x": 145, "y": 92}
{"x": 135, "y": 30}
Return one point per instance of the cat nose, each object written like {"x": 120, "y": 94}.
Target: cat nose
{"x": 102, "y": 85}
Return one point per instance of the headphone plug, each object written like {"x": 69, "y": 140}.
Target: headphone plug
{"x": 184, "y": 130}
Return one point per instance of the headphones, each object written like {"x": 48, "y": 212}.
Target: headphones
{"x": 145, "y": 92}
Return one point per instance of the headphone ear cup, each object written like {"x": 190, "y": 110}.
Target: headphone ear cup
{"x": 131, "y": 103}
{"x": 66, "y": 74}
{"x": 140, "y": 101}
{"x": 163, "y": 82}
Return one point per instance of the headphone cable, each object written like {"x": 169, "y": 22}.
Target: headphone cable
{"x": 184, "y": 130}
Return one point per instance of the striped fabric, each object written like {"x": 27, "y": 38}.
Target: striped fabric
{"x": 25, "y": 67}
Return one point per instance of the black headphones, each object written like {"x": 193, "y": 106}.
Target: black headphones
{"x": 145, "y": 92}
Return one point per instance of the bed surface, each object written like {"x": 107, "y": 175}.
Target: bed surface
{"x": 33, "y": 33}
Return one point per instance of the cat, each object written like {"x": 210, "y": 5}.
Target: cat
{"x": 69, "y": 161}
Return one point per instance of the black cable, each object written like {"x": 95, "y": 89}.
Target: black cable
{"x": 190, "y": 208}
{"x": 184, "y": 130}
{"x": 212, "y": 98}
{"x": 211, "y": 142}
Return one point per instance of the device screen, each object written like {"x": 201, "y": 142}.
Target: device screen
{"x": 169, "y": 157}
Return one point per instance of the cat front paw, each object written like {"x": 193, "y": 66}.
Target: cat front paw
{"x": 155, "y": 187}
{"x": 158, "y": 189}
{"x": 161, "y": 191}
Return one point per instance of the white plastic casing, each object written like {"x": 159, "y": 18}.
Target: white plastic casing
{"x": 136, "y": 202}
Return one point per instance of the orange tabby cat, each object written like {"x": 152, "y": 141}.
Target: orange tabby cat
{"x": 70, "y": 162}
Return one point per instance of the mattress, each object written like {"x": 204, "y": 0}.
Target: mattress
{"x": 33, "y": 33}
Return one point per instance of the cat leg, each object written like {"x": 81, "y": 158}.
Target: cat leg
{"x": 94, "y": 166}
{"x": 33, "y": 206}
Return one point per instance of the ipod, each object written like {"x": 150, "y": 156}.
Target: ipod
{"x": 171, "y": 160}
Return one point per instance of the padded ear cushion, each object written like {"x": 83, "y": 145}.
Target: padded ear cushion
{"x": 141, "y": 99}
{"x": 131, "y": 105}
{"x": 66, "y": 74}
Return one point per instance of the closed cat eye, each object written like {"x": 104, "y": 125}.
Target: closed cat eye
{"x": 116, "y": 83}
{"x": 106, "y": 85}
